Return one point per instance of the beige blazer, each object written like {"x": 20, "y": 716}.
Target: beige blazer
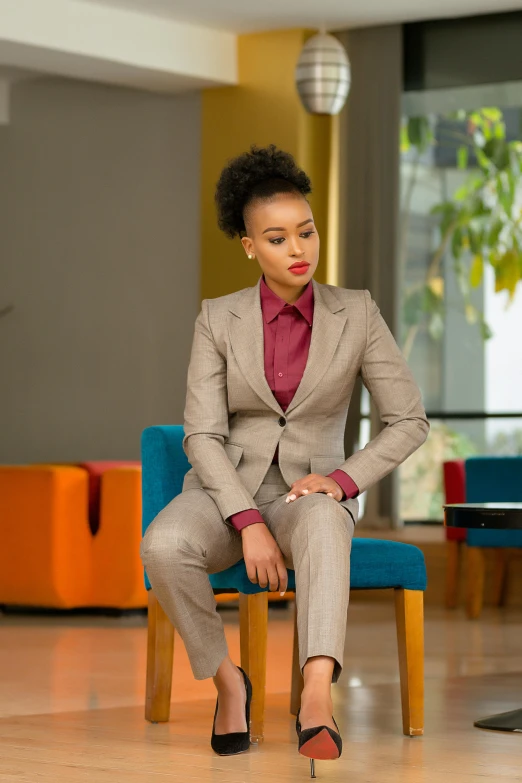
{"x": 233, "y": 422}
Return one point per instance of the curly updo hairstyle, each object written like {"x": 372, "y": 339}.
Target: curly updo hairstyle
{"x": 260, "y": 174}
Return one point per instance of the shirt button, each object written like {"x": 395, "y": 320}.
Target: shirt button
{"x": 282, "y": 421}
{"x": 280, "y": 374}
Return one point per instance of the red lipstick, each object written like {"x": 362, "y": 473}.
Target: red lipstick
{"x": 299, "y": 268}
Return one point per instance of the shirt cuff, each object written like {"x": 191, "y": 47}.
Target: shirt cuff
{"x": 348, "y": 485}
{"x": 250, "y": 516}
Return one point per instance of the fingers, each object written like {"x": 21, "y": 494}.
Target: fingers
{"x": 335, "y": 495}
{"x": 251, "y": 571}
{"x": 273, "y": 578}
{"x": 283, "y": 577}
{"x": 262, "y": 576}
{"x": 314, "y": 483}
{"x": 296, "y": 492}
{"x": 274, "y": 575}
{"x": 309, "y": 490}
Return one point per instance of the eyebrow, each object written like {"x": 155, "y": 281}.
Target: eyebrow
{"x": 280, "y": 228}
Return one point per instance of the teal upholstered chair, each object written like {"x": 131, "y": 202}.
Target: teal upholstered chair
{"x": 488, "y": 480}
{"x": 375, "y": 564}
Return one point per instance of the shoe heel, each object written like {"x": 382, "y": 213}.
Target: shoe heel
{"x": 312, "y": 768}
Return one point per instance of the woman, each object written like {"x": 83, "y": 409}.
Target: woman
{"x": 268, "y": 387}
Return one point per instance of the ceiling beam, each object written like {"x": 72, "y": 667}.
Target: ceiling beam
{"x": 89, "y": 41}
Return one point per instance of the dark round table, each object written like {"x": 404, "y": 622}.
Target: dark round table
{"x": 489, "y": 516}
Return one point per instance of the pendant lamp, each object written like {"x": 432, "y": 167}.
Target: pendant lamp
{"x": 322, "y": 75}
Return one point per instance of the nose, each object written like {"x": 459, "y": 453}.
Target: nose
{"x": 295, "y": 249}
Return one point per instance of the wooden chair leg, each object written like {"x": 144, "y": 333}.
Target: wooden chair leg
{"x": 409, "y": 617}
{"x": 160, "y": 655}
{"x": 453, "y": 558}
{"x": 498, "y": 590}
{"x": 253, "y": 628}
{"x": 476, "y": 568}
{"x": 297, "y": 677}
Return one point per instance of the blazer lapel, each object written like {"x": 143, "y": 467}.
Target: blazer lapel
{"x": 245, "y": 325}
{"x": 327, "y": 328}
{"x": 247, "y": 341}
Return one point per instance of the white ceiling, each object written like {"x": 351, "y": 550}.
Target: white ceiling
{"x": 251, "y": 15}
{"x": 177, "y": 45}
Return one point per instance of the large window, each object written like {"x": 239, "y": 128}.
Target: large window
{"x": 450, "y": 263}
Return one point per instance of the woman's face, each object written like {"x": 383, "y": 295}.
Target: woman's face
{"x": 281, "y": 232}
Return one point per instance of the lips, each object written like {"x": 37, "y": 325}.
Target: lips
{"x": 299, "y": 265}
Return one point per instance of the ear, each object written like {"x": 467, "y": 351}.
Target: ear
{"x": 248, "y": 246}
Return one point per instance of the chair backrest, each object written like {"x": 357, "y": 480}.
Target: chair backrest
{"x": 490, "y": 479}
{"x": 494, "y": 479}
{"x": 454, "y": 473}
{"x": 164, "y": 464}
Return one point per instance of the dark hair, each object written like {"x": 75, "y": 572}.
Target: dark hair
{"x": 262, "y": 173}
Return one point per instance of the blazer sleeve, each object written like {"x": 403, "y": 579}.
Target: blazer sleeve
{"x": 391, "y": 384}
{"x": 206, "y": 422}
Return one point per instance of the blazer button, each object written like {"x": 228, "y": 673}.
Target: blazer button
{"x": 282, "y": 421}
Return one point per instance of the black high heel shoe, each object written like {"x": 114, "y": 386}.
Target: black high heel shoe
{"x": 320, "y": 742}
{"x": 238, "y": 741}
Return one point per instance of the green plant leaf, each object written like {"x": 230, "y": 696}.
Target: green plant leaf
{"x": 448, "y": 212}
{"x": 405, "y": 141}
{"x": 419, "y": 132}
{"x": 492, "y": 113}
{"x": 477, "y": 271}
{"x": 457, "y": 243}
{"x": 462, "y": 157}
{"x": 497, "y": 150}
{"x": 475, "y": 235}
{"x": 432, "y": 301}
{"x": 482, "y": 159}
{"x": 494, "y": 233}
{"x": 461, "y": 193}
{"x": 507, "y": 273}
{"x": 485, "y": 331}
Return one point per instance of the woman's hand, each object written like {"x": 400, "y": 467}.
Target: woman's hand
{"x": 263, "y": 558}
{"x": 314, "y": 482}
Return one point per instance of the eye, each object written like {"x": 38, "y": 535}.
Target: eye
{"x": 277, "y": 241}
{"x": 307, "y": 234}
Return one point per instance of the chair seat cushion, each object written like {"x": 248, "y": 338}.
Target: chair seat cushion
{"x": 375, "y": 564}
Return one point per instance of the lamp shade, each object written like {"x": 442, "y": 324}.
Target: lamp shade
{"x": 322, "y": 75}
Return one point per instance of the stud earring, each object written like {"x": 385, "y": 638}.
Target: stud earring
{"x": 250, "y": 255}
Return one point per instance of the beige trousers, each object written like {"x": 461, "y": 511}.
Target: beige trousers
{"x": 189, "y": 540}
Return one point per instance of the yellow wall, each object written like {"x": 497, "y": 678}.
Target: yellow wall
{"x": 263, "y": 109}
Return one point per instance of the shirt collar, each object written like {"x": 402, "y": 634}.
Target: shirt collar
{"x": 272, "y": 304}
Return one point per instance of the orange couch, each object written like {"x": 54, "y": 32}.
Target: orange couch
{"x": 48, "y": 554}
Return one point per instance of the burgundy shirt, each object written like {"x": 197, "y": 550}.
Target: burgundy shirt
{"x": 287, "y": 335}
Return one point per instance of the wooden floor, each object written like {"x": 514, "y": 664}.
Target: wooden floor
{"x": 72, "y": 692}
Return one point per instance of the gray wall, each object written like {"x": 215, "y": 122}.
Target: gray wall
{"x": 99, "y": 254}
